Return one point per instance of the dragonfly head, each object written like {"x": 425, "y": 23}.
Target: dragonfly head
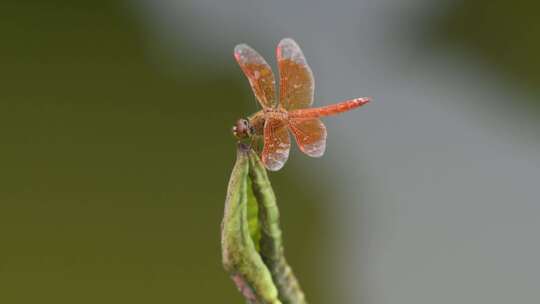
{"x": 242, "y": 129}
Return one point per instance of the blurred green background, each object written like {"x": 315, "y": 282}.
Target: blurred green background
{"x": 503, "y": 34}
{"x": 114, "y": 162}
{"x": 114, "y": 172}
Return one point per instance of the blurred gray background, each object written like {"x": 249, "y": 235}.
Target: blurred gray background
{"x": 427, "y": 195}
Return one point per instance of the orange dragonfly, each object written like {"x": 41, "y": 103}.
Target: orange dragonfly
{"x": 293, "y": 112}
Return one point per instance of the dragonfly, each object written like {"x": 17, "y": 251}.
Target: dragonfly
{"x": 293, "y": 113}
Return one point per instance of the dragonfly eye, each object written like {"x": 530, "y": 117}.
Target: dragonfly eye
{"x": 241, "y": 129}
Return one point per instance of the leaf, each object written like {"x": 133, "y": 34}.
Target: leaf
{"x": 252, "y": 247}
{"x": 271, "y": 243}
{"x": 240, "y": 257}
{"x": 253, "y": 216}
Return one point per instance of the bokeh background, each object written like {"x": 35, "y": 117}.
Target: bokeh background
{"x": 115, "y": 149}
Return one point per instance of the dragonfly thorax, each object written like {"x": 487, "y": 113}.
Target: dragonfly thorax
{"x": 279, "y": 113}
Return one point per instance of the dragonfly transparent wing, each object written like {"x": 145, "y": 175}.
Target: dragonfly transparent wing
{"x": 277, "y": 144}
{"x": 259, "y": 73}
{"x": 310, "y": 135}
{"x": 296, "y": 79}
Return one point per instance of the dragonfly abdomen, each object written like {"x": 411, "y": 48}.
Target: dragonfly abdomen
{"x": 329, "y": 110}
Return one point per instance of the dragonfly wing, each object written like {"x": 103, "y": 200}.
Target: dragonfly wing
{"x": 277, "y": 144}
{"x": 296, "y": 79}
{"x": 310, "y": 135}
{"x": 259, "y": 74}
